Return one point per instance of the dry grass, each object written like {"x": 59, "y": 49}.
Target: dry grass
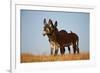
{"x": 26, "y": 58}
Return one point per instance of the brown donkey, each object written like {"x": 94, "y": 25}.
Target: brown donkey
{"x": 60, "y": 39}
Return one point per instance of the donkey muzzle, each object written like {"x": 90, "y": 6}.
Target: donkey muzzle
{"x": 44, "y": 33}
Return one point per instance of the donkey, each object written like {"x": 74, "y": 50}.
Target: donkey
{"x": 60, "y": 39}
{"x": 50, "y": 30}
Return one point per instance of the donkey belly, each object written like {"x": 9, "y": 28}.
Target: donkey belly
{"x": 68, "y": 44}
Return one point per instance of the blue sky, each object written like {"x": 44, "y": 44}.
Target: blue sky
{"x": 32, "y": 40}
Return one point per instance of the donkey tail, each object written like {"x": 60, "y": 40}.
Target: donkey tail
{"x": 78, "y": 45}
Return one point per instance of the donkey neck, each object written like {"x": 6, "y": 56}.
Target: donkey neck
{"x": 53, "y": 37}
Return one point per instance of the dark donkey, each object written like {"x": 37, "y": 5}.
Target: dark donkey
{"x": 60, "y": 39}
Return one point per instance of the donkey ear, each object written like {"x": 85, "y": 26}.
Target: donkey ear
{"x": 55, "y": 24}
{"x": 45, "y": 21}
{"x": 50, "y": 22}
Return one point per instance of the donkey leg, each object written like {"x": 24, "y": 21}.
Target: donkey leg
{"x": 78, "y": 50}
{"x": 74, "y": 49}
{"x": 69, "y": 49}
{"x": 62, "y": 50}
{"x": 51, "y": 51}
{"x": 56, "y": 51}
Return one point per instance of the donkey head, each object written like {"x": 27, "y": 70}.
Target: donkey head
{"x": 49, "y": 28}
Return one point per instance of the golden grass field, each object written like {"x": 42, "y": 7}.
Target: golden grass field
{"x": 27, "y": 58}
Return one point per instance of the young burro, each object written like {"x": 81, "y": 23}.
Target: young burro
{"x": 59, "y": 39}
{"x": 50, "y": 30}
